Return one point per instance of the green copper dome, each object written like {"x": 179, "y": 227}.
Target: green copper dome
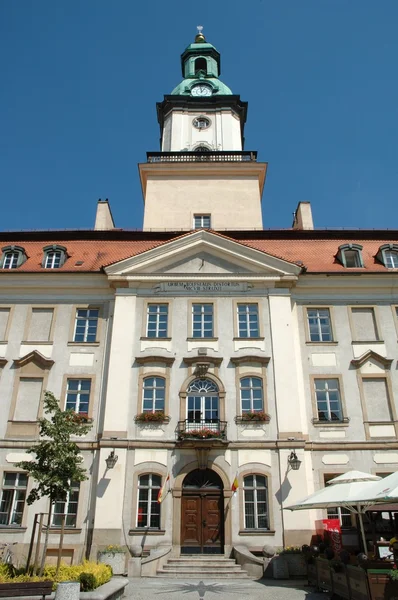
{"x": 200, "y": 63}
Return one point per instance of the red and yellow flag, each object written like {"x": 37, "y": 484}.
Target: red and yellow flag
{"x": 235, "y": 484}
{"x": 163, "y": 491}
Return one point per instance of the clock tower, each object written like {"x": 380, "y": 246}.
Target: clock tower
{"x": 202, "y": 176}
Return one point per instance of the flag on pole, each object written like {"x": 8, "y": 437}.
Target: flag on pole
{"x": 235, "y": 484}
{"x": 163, "y": 492}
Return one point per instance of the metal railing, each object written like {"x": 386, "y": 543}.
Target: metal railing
{"x": 203, "y": 429}
{"x": 211, "y": 156}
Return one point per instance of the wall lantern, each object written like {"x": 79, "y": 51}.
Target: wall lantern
{"x": 111, "y": 460}
{"x": 293, "y": 461}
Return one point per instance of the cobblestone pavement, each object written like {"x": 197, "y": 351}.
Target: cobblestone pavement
{"x": 223, "y": 589}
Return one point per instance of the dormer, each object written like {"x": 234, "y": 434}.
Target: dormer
{"x": 350, "y": 256}
{"x": 12, "y": 257}
{"x": 388, "y": 255}
{"x": 54, "y": 257}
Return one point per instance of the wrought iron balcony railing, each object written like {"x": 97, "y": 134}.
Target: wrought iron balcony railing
{"x": 232, "y": 156}
{"x": 203, "y": 429}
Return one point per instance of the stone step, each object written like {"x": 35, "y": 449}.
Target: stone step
{"x": 201, "y": 566}
{"x": 199, "y": 561}
{"x": 198, "y": 574}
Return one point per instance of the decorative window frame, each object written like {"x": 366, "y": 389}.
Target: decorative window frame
{"x": 202, "y": 340}
{"x": 75, "y": 308}
{"x": 390, "y": 400}
{"x": 184, "y": 394}
{"x": 84, "y": 492}
{"x": 316, "y": 422}
{"x": 308, "y": 340}
{"x": 22, "y": 256}
{"x": 9, "y": 320}
{"x": 144, "y": 469}
{"x": 144, "y": 331}
{"x": 255, "y": 469}
{"x": 24, "y": 523}
{"x": 250, "y": 366}
{"x": 394, "y": 308}
{"x": 381, "y": 254}
{"x": 29, "y": 319}
{"x": 54, "y": 248}
{"x": 374, "y": 308}
{"x": 206, "y": 118}
{"x": 92, "y": 398}
{"x": 245, "y": 301}
{"x": 154, "y": 366}
{"x": 341, "y": 255}
{"x": 66, "y": 503}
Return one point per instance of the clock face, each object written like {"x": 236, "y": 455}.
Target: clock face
{"x": 201, "y": 90}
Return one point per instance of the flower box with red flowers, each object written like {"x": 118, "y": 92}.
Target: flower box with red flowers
{"x": 152, "y": 417}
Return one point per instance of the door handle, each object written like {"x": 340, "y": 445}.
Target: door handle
{"x": 204, "y": 523}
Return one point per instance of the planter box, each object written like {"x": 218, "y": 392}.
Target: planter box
{"x": 381, "y": 587}
{"x": 116, "y": 560}
{"x": 358, "y": 582}
{"x": 296, "y": 564}
{"x": 340, "y": 584}
{"x": 324, "y": 575}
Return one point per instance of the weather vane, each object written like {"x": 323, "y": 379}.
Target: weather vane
{"x": 199, "y": 28}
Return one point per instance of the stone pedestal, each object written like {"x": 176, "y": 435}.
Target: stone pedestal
{"x": 134, "y": 567}
{"x": 116, "y": 560}
{"x": 68, "y": 590}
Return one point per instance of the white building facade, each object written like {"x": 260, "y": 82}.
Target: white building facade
{"x": 208, "y": 352}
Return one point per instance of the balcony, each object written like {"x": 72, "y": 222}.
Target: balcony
{"x": 183, "y": 157}
{"x": 201, "y": 431}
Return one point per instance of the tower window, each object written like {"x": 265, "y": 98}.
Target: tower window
{"x": 200, "y": 66}
{"x": 201, "y": 222}
{"x": 201, "y": 122}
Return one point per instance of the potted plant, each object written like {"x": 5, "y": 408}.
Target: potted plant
{"x": 152, "y": 417}
{"x": 256, "y": 416}
{"x": 200, "y": 434}
{"x": 115, "y": 557}
{"x": 383, "y": 583}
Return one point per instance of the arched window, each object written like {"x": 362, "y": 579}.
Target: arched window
{"x": 153, "y": 394}
{"x": 200, "y": 66}
{"x": 255, "y": 492}
{"x": 203, "y": 405}
{"x": 148, "y": 509}
{"x": 388, "y": 255}
{"x": 202, "y": 149}
{"x": 251, "y": 394}
{"x": 54, "y": 257}
{"x": 350, "y": 255}
{"x": 391, "y": 259}
{"x": 13, "y": 257}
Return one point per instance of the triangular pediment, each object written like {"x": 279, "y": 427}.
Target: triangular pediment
{"x": 203, "y": 253}
{"x": 372, "y": 359}
{"x": 36, "y": 358}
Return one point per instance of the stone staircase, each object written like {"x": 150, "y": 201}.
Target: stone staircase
{"x": 196, "y": 566}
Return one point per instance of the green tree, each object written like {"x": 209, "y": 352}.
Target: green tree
{"x": 57, "y": 461}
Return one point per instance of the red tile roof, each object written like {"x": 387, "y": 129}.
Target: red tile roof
{"x": 315, "y": 251}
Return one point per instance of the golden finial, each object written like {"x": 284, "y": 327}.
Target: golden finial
{"x": 200, "y": 38}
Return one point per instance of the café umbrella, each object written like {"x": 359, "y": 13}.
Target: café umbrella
{"x": 348, "y": 490}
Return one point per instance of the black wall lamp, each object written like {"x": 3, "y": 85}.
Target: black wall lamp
{"x": 111, "y": 460}
{"x": 293, "y": 461}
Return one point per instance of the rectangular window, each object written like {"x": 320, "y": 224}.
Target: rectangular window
{"x": 248, "y": 321}
{"x": 86, "y": 325}
{"x": 12, "y": 499}
{"x": 67, "y": 508}
{"x": 364, "y": 324}
{"x": 78, "y": 395}
{"x": 148, "y": 513}
{"x": 202, "y": 320}
{"x": 319, "y": 325}
{"x": 28, "y": 399}
{"x": 157, "y": 319}
{"x": 40, "y": 324}
{"x": 4, "y": 316}
{"x": 201, "y": 222}
{"x": 376, "y": 398}
{"x": 256, "y": 502}
{"x": 327, "y": 392}
{"x": 342, "y": 514}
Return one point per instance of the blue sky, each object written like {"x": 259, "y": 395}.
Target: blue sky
{"x": 80, "y": 80}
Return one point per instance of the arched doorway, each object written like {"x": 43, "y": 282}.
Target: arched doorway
{"x": 202, "y": 513}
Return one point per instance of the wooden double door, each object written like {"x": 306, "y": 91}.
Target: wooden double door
{"x": 202, "y": 521}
